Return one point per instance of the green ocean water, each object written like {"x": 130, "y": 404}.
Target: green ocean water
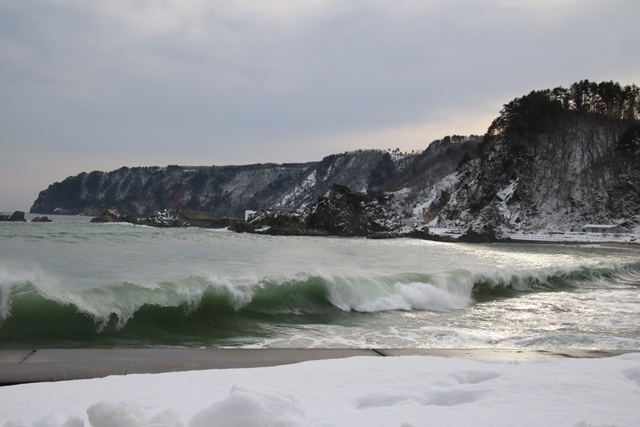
{"x": 73, "y": 284}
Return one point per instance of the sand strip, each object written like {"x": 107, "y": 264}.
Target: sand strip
{"x": 27, "y": 366}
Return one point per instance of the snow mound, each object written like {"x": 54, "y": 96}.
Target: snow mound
{"x": 358, "y": 391}
{"x": 250, "y": 408}
{"x": 243, "y": 407}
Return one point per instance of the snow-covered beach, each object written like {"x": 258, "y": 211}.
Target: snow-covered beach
{"x": 360, "y": 391}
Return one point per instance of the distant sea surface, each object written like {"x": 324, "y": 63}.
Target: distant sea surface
{"x": 73, "y": 284}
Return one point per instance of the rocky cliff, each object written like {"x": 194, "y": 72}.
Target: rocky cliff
{"x": 553, "y": 159}
{"x": 228, "y": 191}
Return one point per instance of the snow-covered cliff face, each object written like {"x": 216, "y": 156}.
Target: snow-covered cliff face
{"x": 546, "y": 165}
{"x": 225, "y": 190}
{"x": 230, "y": 190}
{"x": 553, "y": 160}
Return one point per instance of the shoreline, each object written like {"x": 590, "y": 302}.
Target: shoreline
{"x": 46, "y": 365}
{"x": 436, "y": 234}
{"x": 606, "y": 244}
{"x": 621, "y": 245}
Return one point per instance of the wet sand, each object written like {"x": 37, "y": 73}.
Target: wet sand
{"x": 28, "y": 366}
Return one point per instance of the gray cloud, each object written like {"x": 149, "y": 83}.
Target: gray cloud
{"x": 102, "y": 84}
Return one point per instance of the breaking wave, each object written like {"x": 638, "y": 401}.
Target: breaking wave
{"x": 35, "y": 310}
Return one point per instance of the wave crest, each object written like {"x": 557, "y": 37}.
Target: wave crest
{"x": 35, "y": 309}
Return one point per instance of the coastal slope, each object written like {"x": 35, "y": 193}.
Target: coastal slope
{"x": 554, "y": 159}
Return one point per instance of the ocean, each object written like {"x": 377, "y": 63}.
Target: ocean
{"x": 73, "y": 284}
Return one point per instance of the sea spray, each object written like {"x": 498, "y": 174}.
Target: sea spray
{"x": 409, "y": 291}
{"x": 506, "y": 283}
{"x": 207, "y": 309}
{"x": 75, "y": 284}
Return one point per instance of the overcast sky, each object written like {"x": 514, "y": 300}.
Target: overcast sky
{"x": 101, "y": 84}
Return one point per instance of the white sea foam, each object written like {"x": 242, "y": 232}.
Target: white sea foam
{"x": 416, "y": 296}
{"x": 112, "y": 273}
{"x": 16, "y": 274}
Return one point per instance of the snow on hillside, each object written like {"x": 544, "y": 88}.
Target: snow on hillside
{"x": 433, "y": 193}
{"x": 297, "y": 193}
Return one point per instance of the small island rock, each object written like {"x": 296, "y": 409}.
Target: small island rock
{"x": 17, "y": 216}
{"x": 112, "y": 214}
{"x": 41, "y": 219}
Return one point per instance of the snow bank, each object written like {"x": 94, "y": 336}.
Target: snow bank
{"x": 361, "y": 391}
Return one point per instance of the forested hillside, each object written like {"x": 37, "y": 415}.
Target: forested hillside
{"x": 554, "y": 159}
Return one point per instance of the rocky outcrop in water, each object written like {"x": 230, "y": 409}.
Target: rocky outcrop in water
{"x": 264, "y": 218}
{"x": 17, "y": 216}
{"x": 279, "y": 223}
{"x": 113, "y": 214}
{"x": 340, "y": 212}
{"x": 242, "y": 227}
{"x": 165, "y": 218}
{"x": 41, "y": 219}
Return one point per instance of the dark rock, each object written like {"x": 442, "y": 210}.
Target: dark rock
{"x": 487, "y": 235}
{"x": 422, "y": 233}
{"x": 264, "y": 218}
{"x": 472, "y": 236}
{"x": 344, "y": 213}
{"x": 282, "y": 224}
{"x": 197, "y": 219}
{"x": 17, "y": 216}
{"x": 489, "y": 226}
{"x": 242, "y": 227}
{"x": 384, "y": 235}
{"x": 112, "y": 214}
{"x": 224, "y": 222}
{"x": 41, "y": 219}
{"x": 165, "y": 218}
{"x": 293, "y": 231}
{"x": 415, "y": 233}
